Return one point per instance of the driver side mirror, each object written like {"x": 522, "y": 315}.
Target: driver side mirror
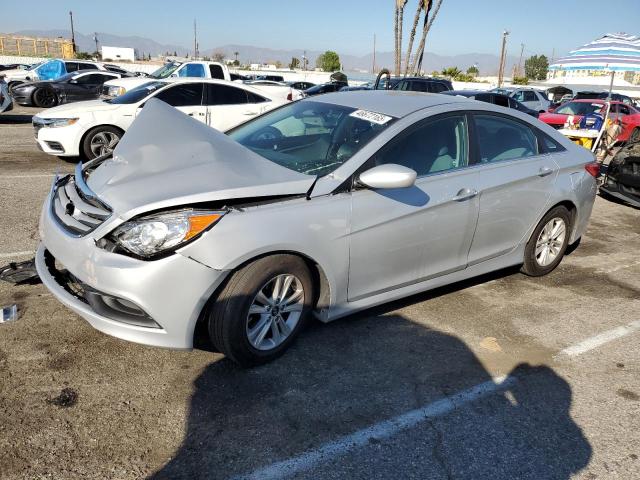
{"x": 388, "y": 176}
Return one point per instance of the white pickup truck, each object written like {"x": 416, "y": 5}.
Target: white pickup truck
{"x": 117, "y": 87}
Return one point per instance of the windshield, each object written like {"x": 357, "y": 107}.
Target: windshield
{"x": 309, "y": 137}
{"x": 166, "y": 70}
{"x": 579, "y": 108}
{"x": 136, "y": 94}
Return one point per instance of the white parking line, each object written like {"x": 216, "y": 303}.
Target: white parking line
{"x": 388, "y": 428}
{"x": 598, "y": 340}
{"x": 378, "y": 431}
{"x": 16, "y": 254}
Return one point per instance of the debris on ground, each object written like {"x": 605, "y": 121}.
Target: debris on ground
{"x": 21, "y": 273}
{"x": 68, "y": 398}
{"x": 9, "y": 314}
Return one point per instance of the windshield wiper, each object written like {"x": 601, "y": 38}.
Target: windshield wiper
{"x": 308, "y": 195}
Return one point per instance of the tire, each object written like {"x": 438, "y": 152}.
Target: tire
{"x": 44, "y": 98}
{"x": 106, "y": 135}
{"x": 536, "y": 265}
{"x": 232, "y": 326}
{"x": 635, "y": 136}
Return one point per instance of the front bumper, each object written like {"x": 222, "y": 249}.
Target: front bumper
{"x": 171, "y": 292}
{"x": 61, "y": 141}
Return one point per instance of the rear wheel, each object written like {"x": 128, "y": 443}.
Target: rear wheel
{"x": 100, "y": 141}
{"x": 261, "y": 309}
{"x": 44, "y": 98}
{"x": 547, "y": 245}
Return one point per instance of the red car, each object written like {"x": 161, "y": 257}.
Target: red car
{"x": 630, "y": 116}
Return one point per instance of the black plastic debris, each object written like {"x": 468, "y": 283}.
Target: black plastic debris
{"x": 68, "y": 398}
{"x": 20, "y": 273}
{"x": 9, "y": 314}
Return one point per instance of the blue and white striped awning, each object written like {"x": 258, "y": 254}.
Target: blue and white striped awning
{"x": 613, "y": 52}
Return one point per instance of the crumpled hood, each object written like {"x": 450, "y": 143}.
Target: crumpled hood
{"x": 167, "y": 158}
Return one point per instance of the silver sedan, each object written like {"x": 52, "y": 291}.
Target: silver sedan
{"x": 322, "y": 207}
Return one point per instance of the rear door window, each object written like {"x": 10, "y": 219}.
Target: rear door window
{"x": 437, "y": 87}
{"x": 501, "y": 101}
{"x": 71, "y": 66}
{"x": 225, "y": 95}
{"x": 182, "y": 95}
{"x": 500, "y": 138}
{"x": 87, "y": 66}
{"x": 216, "y": 72}
{"x": 530, "y": 96}
{"x": 192, "y": 70}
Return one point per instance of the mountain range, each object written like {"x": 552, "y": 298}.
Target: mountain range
{"x": 487, "y": 63}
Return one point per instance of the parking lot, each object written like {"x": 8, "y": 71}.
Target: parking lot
{"x": 501, "y": 377}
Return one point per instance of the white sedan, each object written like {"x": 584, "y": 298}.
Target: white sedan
{"x": 93, "y": 128}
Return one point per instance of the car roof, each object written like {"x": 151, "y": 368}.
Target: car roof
{"x": 394, "y": 103}
{"x": 469, "y": 93}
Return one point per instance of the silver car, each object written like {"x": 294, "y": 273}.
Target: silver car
{"x": 534, "y": 99}
{"x": 322, "y": 207}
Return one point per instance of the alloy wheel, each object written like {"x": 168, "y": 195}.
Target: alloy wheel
{"x": 550, "y": 241}
{"x": 103, "y": 143}
{"x": 275, "y": 312}
{"x": 45, "y": 98}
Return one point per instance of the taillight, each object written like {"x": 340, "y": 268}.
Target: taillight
{"x": 593, "y": 169}
{"x": 290, "y": 97}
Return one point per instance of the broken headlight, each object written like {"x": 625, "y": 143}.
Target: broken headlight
{"x": 153, "y": 234}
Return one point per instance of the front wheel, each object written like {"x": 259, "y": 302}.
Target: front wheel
{"x": 262, "y": 309}
{"x": 547, "y": 245}
{"x": 45, "y": 98}
{"x": 635, "y": 136}
{"x": 100, "y": 141}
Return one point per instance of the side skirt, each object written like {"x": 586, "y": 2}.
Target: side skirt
{"x": 514, "y": 257}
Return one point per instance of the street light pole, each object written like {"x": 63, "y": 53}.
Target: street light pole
{"x": 73, "y": 36}
{"x": 502, "y": 57}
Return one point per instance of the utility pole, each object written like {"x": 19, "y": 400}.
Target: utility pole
{"x": 373, "y": 68}
{"x": 95, "y": 39}
{"x": 520, "y": 61}
{"x": 502, "y": 57}
{"x": 195, "y": 40}
{"x": 73, "y": 36}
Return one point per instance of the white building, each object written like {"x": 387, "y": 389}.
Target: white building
{"x": 118, "y": 54}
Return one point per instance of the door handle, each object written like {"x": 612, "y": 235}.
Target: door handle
{"x": 544, "y": 171}
{"x": 465, "y": 194}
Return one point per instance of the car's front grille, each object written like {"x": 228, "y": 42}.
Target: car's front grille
{"x": 75, "y": 206}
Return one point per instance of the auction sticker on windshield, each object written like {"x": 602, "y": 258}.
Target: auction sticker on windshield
{"x": 372, "y": 117}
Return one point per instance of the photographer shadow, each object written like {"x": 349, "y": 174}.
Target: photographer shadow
{"x": 346, "y": 376}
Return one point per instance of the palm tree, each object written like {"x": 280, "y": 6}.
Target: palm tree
{"x": 236, "y": 54}
{"x": 417, "y": 63}
{"x": 422, "y": 5}
{"x": 399, "y": 15}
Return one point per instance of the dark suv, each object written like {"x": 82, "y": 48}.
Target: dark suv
{"x": 422, "y": 84}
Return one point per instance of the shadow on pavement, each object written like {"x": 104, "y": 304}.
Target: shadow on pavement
{"x": 14, "y": 118}
{"x": 351, "y": 374}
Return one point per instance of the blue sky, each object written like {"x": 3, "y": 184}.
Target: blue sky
{"x": 347, "y": 26}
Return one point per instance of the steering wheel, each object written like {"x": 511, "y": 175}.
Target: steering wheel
{"x": 267, "y": 133}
